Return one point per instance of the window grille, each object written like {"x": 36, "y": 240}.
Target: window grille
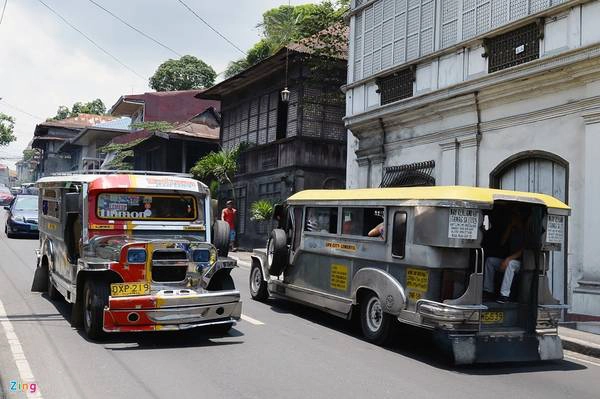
{"x": 396, "y": 86}
{"x": 513, "y": 48}
{"x": 414, "y": 174}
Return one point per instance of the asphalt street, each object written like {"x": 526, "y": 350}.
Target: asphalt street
{"x": 278, "y": 350}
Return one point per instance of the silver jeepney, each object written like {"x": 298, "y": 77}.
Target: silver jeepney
{"x": 426, "y": 268}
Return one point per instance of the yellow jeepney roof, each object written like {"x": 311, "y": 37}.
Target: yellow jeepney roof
{"x": 447, "y": 193}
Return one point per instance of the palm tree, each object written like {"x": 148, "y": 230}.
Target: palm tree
{"x": 222, "y": 165}
{"x": 261, "y": 211}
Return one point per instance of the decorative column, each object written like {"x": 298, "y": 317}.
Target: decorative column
{"x": 586, "y": 296}
{"x": 448, "y": 168}
{"x": 467, "y": 160}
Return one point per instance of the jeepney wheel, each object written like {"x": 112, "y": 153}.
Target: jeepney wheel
{"x": 53, "y": 293}
{"x": 258, "y": 285}
{"x": 376, "y": 324}
{"x": 95, "y": 298}
{"x": 220, "y": 233}
{"x": 277, "y": 252}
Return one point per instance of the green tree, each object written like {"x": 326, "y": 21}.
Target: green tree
{"x": 186, "y": 73}
{"x": 285, "y": 24}
{"x": 221, "y": 165}
{"x": 95, "y": 107}
{"x": 7, "y": 127}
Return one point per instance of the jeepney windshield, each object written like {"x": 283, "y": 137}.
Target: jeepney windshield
{"x": 132, "y": 206}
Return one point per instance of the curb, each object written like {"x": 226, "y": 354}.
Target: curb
{"x": 580, "y": 346}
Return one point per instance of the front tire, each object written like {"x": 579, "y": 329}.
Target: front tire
{"x": 95, "y": 298}
{"x": 258, "y": 285}
{"x": 376, "y": 324}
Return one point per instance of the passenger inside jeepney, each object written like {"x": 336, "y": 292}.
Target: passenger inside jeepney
{"x": 503, "y": 244}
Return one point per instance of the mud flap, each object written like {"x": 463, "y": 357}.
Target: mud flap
{"x": 469, "y": 349}
{"x": 40, "y": 279}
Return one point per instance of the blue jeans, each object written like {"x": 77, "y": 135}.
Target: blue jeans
{"x": 492, "y": 265}
{"x": 231, "y": 235}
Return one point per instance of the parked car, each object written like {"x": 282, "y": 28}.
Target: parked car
{"x": 5, "y": 196}
{"x": 16, "y": 190}
{"x": 22, "y": 216}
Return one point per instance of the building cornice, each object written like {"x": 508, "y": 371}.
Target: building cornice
{"x": 437, "y": 101}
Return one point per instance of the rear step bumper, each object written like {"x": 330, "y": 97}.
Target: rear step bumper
{"x": 486, "y": 348}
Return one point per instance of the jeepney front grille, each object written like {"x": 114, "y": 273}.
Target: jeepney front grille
{"x": 169, "y": 265}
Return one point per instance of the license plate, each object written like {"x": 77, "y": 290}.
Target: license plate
{"x": 492, "y": 317}
{"x": 33, "y": 228}
{"x": 129, "y": 289}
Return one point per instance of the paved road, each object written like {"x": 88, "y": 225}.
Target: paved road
{"x": 295, "y": 353}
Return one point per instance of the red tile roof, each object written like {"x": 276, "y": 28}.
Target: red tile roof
{"x": 169, "y": 106}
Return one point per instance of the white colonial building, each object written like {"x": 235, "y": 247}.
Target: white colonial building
{"x": 494, "y": 93}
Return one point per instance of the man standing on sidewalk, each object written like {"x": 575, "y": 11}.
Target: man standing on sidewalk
{"x": 228, "y": 215}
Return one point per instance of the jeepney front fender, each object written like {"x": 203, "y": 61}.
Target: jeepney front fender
{"x": 387, "y": 288}
{"x": 261, "y": 260}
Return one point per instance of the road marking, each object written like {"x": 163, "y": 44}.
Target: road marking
{"x": 25, "y": 373}
{"x": 252, "y": 321}
{"x": 577, "y": 358}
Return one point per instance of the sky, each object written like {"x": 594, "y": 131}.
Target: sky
{"x": 44, "y": 63}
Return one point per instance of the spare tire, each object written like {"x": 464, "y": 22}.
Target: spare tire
{"x": 220, "y": 237}
{"x": 277, "y": 252}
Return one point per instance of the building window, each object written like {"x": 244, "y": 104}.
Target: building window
{"x": 513, "y": 48}
{"x": 282, "y": 118}
{"x": 397, "y": 86}
{"x": 321, "y": 220}
{"x": 409, "y": 175}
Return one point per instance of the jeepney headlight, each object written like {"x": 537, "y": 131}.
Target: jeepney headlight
{"x": 213, "y": 256}
{"x": 136, "y": 255}
{"x": 201, "y": 255}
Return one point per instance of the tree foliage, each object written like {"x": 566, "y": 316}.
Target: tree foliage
{"x": 31, "y": 154}
{"x": 123, "y": 153}
{"x": 220, "y": 165}
{"x": 186, "y": 73}
{"x": 95, "y": 107}
{"x": 7, "y": 127}
{"x": 285, "y": 24}
{"x": 261, "y": 210}
{"x": 153, "y": 126}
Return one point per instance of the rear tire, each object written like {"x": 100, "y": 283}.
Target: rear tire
{"x": 376, "y": 324}
{"x": 95, "y": 298}
{"x": 258, "y": 285}
{"x": 277, "y": 252}
{"x": 53, "y": 293}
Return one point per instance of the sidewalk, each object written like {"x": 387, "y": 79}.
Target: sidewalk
{"x": 580, "y": 341}
{"x": 573, "y": 340}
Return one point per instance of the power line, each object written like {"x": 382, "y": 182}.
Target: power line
{"x": 135, "y": 29}
{"x": 3, "y": 8}
{"x": 91, "y": 41}
{"x": 213, "y": 29}
{"x": 20, "y": 110}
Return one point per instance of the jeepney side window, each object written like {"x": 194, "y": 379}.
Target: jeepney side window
{"x": 50, "y": 205}
{"x": 321, "y": 220}
{"x": 399, "y": 238}
{"x": 360, "y": 221}
{"x": 297, "y": 223}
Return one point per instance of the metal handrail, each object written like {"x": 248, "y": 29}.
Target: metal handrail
{"x": 119, "y": 172}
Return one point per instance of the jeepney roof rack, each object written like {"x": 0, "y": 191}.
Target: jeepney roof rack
{"x": 119, "y": 172}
